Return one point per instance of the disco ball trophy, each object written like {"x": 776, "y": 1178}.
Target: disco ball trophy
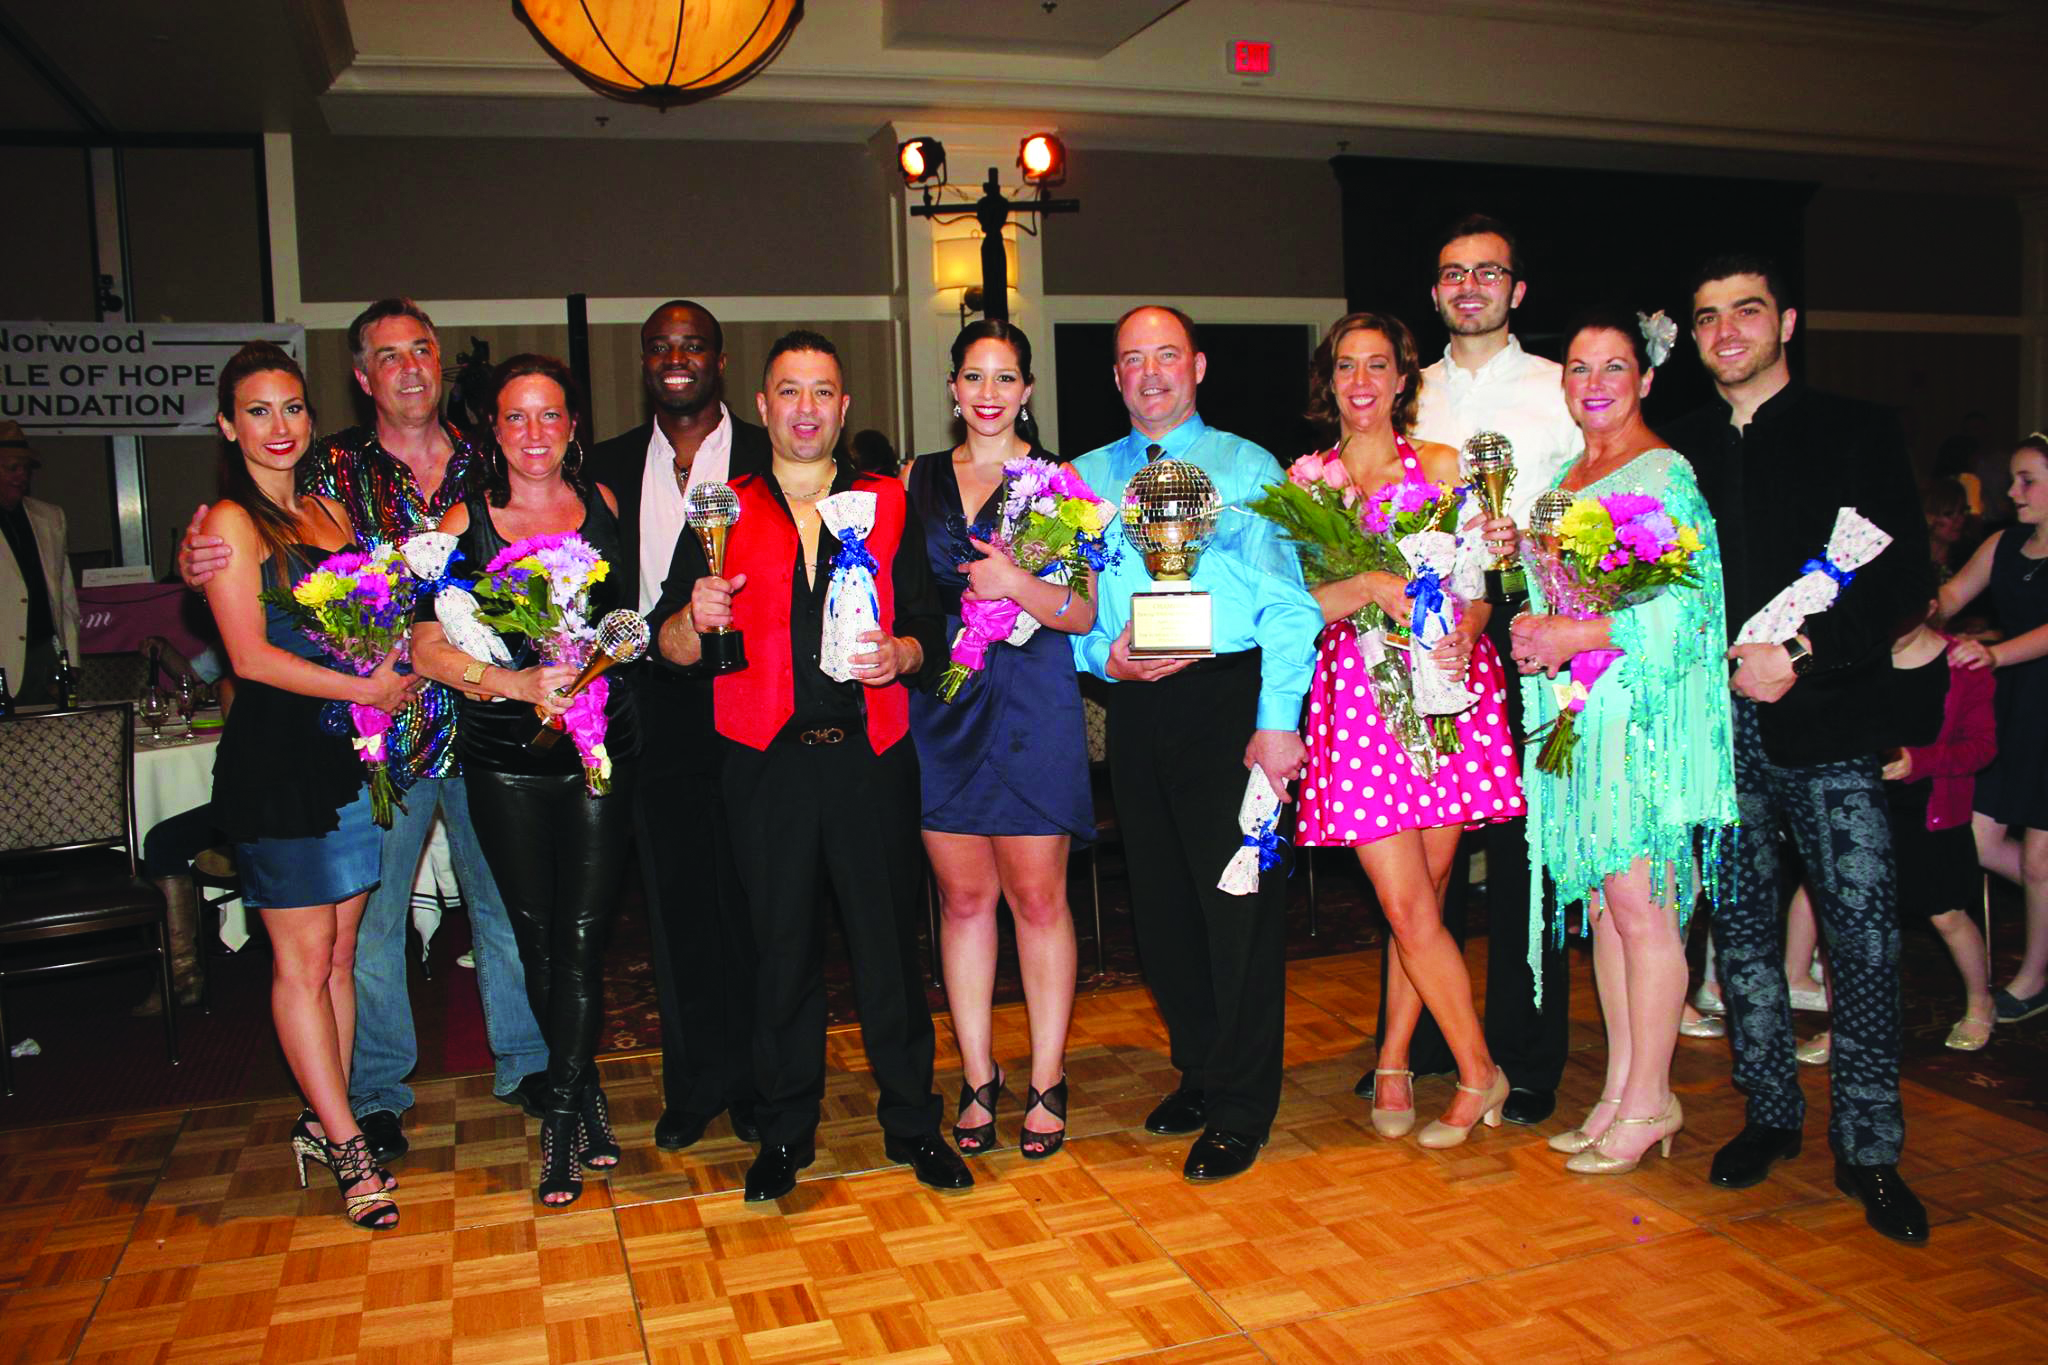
{"x": 714, "y": 509}
{"x": 1489, "y": 460}
{"x": 622, "y": 637}
{"x": 1170, "y": 509}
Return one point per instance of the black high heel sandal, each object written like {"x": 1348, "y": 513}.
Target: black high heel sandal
{"x": 599, "y": 1145}
{"x": 308, "y": 1145}
{"x": 558, "y": 1171}
{"x": 1053, "y": 1100}
{"x": 983, "y": 1136}
{"x": 351, "y": 1164}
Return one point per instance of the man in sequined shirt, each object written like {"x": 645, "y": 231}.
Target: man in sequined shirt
{"x": 395, "y": 477}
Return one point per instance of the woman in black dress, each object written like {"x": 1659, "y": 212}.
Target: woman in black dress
{"x": 2013, "y": 791}
{"x": 558, "y": 854}
{"x": 1004, "y": 766}
{"x": 286, "y": 789}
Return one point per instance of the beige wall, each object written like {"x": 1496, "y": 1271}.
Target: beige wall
{"x": 545, "y": 218}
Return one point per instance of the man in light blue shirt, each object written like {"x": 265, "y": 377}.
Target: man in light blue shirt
{"x": 1183, "y": 733}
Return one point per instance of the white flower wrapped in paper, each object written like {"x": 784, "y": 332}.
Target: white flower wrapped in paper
{"x": 851, "y": 606}
{"x": 427, "y": 555}
{"x": 1257, "y": 816}
{"x": 1854, "y": 542}
{"x": 1432, "y": 562}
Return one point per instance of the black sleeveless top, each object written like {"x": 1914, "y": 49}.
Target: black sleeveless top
{"x": 284, "y": 768}
{"x": 493, "y": 735}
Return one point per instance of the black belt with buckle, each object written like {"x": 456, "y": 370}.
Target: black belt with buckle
{"x": 824, "y": 734}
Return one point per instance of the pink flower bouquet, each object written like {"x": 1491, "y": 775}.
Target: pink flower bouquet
{"x": 1609, "y": 552}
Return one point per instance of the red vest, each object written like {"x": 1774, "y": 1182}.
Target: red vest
{"x": 752, "y": 705}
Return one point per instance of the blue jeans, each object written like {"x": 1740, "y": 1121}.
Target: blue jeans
{"x": 386, "y": 1049}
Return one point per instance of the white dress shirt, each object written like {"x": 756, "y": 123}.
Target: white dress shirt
{"x": 663, "y": 511}
{"x": 1519, "y": 395}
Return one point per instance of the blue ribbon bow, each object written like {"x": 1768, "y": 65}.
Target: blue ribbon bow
{"x": 1428, "y": 592}
{"x": 1267, "y": 841}
{"x": 1843, "y": 577}
{"x": 434, "y": 587}
{"x": 853, "y": 554}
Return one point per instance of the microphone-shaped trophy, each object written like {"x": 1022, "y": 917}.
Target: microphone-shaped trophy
{"x": 622, "y": 637}
{"x": 1490, "y": 465}
{"x": 714, "y": 509}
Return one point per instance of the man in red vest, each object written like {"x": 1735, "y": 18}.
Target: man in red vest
{"x": 820, "y": 775}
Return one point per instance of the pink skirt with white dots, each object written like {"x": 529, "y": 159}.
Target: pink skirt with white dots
{"x": 1360, "y": 785}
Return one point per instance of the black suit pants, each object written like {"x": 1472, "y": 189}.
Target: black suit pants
{"x": 1216, "y": 963}
{"x": 845, "y": 811}
{"x": 703, "y": 940}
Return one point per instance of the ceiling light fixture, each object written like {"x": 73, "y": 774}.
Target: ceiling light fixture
{"x": 661, "y": 52}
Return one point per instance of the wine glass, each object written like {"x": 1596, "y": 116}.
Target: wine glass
{"x": 154, "y": 710}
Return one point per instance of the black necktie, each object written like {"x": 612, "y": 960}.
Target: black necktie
{"x": 1153, "y": 452}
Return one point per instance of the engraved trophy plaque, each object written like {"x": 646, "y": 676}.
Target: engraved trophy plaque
{"x": 714, "y": 509}
{"x": 1170, "y": 509}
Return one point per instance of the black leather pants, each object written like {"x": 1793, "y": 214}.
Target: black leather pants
{"x": 559, "y": 857}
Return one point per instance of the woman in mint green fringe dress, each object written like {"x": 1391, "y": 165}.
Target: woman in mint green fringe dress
{"x": 1650, "y": 790}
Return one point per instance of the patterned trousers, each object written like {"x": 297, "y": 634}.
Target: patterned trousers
{"x": 1835, "y": 814}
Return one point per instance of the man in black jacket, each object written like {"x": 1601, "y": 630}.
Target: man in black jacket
{"x": 1776, "y": 460}
{"x": 696, "y": 911}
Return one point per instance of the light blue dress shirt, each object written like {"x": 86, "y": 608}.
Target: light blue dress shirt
{"x": 1253, "y": 578}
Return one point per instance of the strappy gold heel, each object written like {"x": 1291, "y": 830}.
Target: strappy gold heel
{"x": 1576, "y": 1141}
{"x": 1439, "y": 1134}
{"x": 1392, "y": 1123}
{"x": 1593, "y": 1161}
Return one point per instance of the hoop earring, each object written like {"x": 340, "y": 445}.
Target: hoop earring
{"x": 956, "y": 409}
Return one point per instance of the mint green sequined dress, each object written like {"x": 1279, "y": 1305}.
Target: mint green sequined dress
{"x": 1653, "y": 774}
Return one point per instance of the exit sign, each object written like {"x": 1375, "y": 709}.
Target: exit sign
{"x": 1248, "y": 58}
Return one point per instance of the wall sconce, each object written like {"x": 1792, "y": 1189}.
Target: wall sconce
{"x": 956, "y": 264}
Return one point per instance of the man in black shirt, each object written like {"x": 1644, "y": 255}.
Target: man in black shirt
{"x": 820, "y": 773}
{"x": 1776, "y": 460}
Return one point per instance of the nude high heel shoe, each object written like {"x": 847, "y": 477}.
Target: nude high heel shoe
{"x": 1593, "y": 1161}
{"x": 1440, "y": 1134}
{"x": 1393, "y": 1123}
{"x": 1576, "y": 1141}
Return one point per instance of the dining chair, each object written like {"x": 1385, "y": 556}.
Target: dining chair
{"x": 111, "y": 677}
{"x": 68, "y": 854}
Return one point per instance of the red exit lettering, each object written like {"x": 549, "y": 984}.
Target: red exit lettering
{"x": 1248, "y": 58}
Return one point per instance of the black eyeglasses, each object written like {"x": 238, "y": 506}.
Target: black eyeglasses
{"x": 1452, "y": 276}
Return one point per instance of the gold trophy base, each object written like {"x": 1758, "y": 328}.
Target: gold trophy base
{"x": 1171, "y": 625}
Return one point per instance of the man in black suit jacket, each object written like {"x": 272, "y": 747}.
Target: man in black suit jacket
{"x": 696, "y": 911}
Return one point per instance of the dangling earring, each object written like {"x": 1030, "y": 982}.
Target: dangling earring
{"x": 1024, "y": 413}
{"x": 956, "y": 409}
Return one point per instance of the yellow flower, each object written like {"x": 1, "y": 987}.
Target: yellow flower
{"x": 531, "y": 564}
{"x": 1689, "y": 540}
{"x": 599, "y": 570}
{"x": 1586, "y": 529}
{"x": 1099, "y": 515}
{"x": 317, "y": 589}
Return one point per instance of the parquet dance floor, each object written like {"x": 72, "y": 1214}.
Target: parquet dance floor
{"x": 184, "y": 1236}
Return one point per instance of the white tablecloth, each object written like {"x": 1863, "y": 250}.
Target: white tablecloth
{"x": 171, "y": 779}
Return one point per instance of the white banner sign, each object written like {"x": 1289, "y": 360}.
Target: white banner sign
{"x": 123, "y": 378}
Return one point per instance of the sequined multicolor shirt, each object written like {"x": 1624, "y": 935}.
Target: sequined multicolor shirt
{"x": 385, "y": 503}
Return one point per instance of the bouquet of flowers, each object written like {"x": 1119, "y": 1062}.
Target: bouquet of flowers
{"x": 357, "y": 607}
{"x": 1339, "y": 530}
{"x": 539, "y": 587}
{"x": 1609, "y": 552}
{"x": 1051, "y": 524}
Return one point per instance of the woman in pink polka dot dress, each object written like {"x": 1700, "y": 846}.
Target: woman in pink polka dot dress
{"x": 1362, "y": 789}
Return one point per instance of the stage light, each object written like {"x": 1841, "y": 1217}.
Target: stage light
{"x": 922, "y": 161}
{"x": 1044, "y": 159}
{"x": 638, "y": 50}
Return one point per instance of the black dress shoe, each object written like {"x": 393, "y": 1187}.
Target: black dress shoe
{"x": 1184, "y": 1111}
{"x": 744, "y": 1125}
{"x": 1751, "y": 1153}
{"x": 1888, "y": 1206}
{"x": 676, "y": 1130}
{"x": 1219, "y": 1154}
{"x": 1528, "y": 1106}
{"x": 936, "y": 1164}
{"x": 387, "y": 1140}
{"x": 531, "y": 1095}
{"x": 773, "y": 1173}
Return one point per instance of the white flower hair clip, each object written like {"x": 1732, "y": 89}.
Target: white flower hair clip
{"x": 1660, "y": 334}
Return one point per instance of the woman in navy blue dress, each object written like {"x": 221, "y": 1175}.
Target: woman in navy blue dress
{"x": 1004, "y": 765}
